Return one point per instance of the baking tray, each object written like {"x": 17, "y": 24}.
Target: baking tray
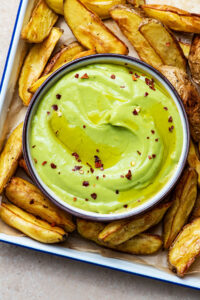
{"x": 7, "y": 88}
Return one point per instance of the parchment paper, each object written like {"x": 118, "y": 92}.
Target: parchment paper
{"x": 17, "y": 112}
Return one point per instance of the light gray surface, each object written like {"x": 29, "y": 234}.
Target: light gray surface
{"x": 25, "y": 274}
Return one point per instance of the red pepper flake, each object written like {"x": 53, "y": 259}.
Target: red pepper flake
{"x": 35, "y": 160}
{"x": 94, "y": 196}
{"x": 44, "y": 163}
{"x": 97, "y": 150}
{"x": 122, "y": 176}
{"x": 55, "y": 107}
{"x": 53, "y": 224}
{"x": 104, "y": 176}
{"x": 85, "y": 183}
{"x": 130, "y": 72}
{"x": 33, "y": 146}
{"x": 48, "y": 112}
{"x": 97, "y": 178}
{"x": 149, "y": 157}
{"x": 74, "y": 199}
{"x": 137, "y": 76}
{"x": 122, "y": 87}
{"x": 134, "y": 78}
{"x": 165, "y": 108}
{"x": 91, "y": 170}
{"x": 128, "y": 175}
{"x": 146, "y": 94}
{"x": 150, "y": 83}
{"x": 168, "y": 44}
{"x": 147, "y": 137}
{"x": 58, "y": 96}
{"x": 84, "y": 126}
{"x": 171, "y": 128}
{"x": 53, "y": 166}
{"x": 85, "y": 76}
{"x": 76, "y": 156}
{"x": 153, "y": 131}
{"x": 135, "y": 112}
{"x": 117, "y": 191}
{"x": 77, "y": 168}
{"x": 156, "y": 140}
{"x": 86, "y": 199}
{"x": 76, "y": 75}
{"x": 79, "y": 160}
{"x": 139, "y": 152}
{"x": 98, "y": 163}
{"x": 154, "y": 155}
{"x": 125, "y": 205}
{"x": 112, "y": 76}
{"x": 170, "y": 120}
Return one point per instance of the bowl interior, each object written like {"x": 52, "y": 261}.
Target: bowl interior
{"x": 120, "y": 60}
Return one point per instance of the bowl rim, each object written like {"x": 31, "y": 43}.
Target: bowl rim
{"x": 87, "y": 214}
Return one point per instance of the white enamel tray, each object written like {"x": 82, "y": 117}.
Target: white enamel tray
{"x": 6, "y": 92}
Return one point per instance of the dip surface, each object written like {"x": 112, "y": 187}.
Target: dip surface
{"x": 106, "y": 138}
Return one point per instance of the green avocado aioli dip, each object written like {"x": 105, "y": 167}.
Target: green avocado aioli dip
{"x": 106, "y": 138}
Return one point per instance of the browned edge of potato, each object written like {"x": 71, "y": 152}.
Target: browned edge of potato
{"x": 10, "y": 156}
{"x": 175, "y": 18}
{"x": 90, "y": 31}
{"x": 137, "y": 3}
{"x": 194, "y": 58}
{"x": 28, "y": 197}
{"x": 193, "y": 159}
{"x": 185, "y": 249}
{"x": 31, "y": 226}
{"x": 183, "y": 200}
{"x": 40, "y": 23}
{"x": 120, "y": 231}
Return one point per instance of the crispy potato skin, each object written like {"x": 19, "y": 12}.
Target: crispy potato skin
{"x": 102, "y": 7}
{"x": 64, "y": 55}
{"x": 163, "y": 42}
{"x": 90, "y": 30}
{"x": 141, "y": 244}
{"x": 120, "y": 231}
{"x": 137, "y": 3}
{"x": 196, "y": 210}
{"x": 40, "y": 24}
{"x": 175, "y": 18}
{"x": 185, "y": 249}
{"x": 10, "y": 156}
{"x": 35, "y": 62}
{"x": 193, "y": 159}
{"x": 194, "y": 58}
{"x": 183, "y": 197}
{"x": 56, "y": 5}
{"x": 189, "y": 96}
{"x": 129, "y": 19}
{"x": 23, "y": 165}
{"x": 37, "y": 229}
{"x": 28, "y": 197}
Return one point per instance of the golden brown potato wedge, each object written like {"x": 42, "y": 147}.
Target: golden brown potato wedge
{"x": 31, "y": 226}
{"x": 28, "y": 197}
{"x": 175, "y": 18}
{"x": 189, "y": 96}
{"x": 185, "y": 248}
{"x": 64, "y": 55}
{"x": 194, "y": 58}
{"x": 40, "y": 81}
{"x": 90, "y": 30}
{"x": 35, "y": 62}
{"x": 120, "y": 231}
{"x": 40, "y": 24}
{"x": 141, "y": 244}
{"x": 183, "y": 197}
{"x": 23, "y": 165}
{"x": 137, "y": 3}
{"x": 10, "y": 156}
{"x": 164, "y": 43}
{"x": 129, "y": 20}
{"x": 186, "y": 48}
{"x": 102, "y": 7}
{"x": 193, "y": 159}
{"x": 196, "y": 209}
{"x": 56, "y": 5}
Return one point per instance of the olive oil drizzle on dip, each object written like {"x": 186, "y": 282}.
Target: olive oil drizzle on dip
{"x": 106, "y": 138}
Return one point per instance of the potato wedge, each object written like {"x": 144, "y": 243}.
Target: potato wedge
{"x": 193, "y": 159}
{"x": 194, "y": 58}
{"x": 186, "y": 48}
{"x": 141, "y": 244}
{"x": 56, "y": 5}
{"x": 102, "y": 7}
{"x": 183, "y": 197}
{"x": 196, "y": 210}
{"x": 40, "y": 24}
{"x": 23, "y": 165}
{"x": 164, "y": 43}
{"x": 10, "y": 156}
{"x": 28, "y": 224}
{"x": 90, "y": 30}
{"x": 118, "y": 232}
{"x": 35, "y": 62}
{"x": 129, "y": 20}
{"x": 28, "y": 197}
{"x": 185, "y": 248}
{"x": 65, "y": 54}
{"x": 175, "y": 18}
{"x": 137, "y": 3}
{"x": 189, "y": 96}
{"x": 40, "y": 81}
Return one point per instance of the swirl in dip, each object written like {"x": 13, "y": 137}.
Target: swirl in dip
{"x": 106, "y": 138}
